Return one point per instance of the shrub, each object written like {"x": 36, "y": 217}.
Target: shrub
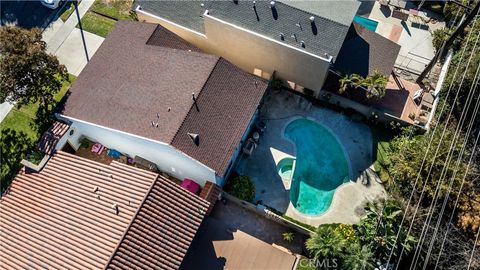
{"x": 288, "y": 236}
{"x": 241, "y": 187}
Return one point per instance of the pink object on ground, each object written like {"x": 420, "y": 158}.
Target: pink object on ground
{"x": 96, "y": 147}
{"x": 190, "y": 185}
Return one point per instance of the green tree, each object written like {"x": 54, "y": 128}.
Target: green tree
{"x": 439, "y": 36}
{"x": 375, "y": 84}
{"x": 358, "y": 257}
{"x": 28, "y": 73}
{"x": 379, "y": 229}
{"x": 326, "y": 242}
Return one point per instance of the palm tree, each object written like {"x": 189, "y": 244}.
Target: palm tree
{"x": 359, "y": 257}
{"x": 325, "y": 243}
{"x": 376, "y": 84}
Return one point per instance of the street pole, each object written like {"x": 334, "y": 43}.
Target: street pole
{"x": 75, "y": 3}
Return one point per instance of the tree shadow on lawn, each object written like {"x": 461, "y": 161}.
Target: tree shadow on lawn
{"x": 14, "y": 146}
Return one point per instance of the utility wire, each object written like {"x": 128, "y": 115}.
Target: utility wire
{"x": 459, "y": 191}
{"x": 438, "y": 149}
{"x": 429, "y": 145}
{"x": 444, "y": 171}
{"x": 473, "y": 249}
{"x": 457, "y": 164}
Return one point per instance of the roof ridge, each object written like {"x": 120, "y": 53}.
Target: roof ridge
{"x": 193, "y": 103}
{"x": 130, "y": 223}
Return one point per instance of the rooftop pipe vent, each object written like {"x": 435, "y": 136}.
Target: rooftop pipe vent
{"x": 272, "y": 4}
{"x": 282, "y": 36}
{"x": 302, "y": 43}
{"x": 312, "y": 19}
{"x": 195, "y": 138}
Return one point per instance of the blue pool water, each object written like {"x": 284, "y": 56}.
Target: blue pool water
{"x": 320, "y": 167}
{"x": 367, "y": 23}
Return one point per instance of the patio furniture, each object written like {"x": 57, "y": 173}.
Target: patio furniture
{"x": 97, "y": 148}
{"x": 190, "y": 185}
{"x": 145, "y": 164}
{"x": 113, "y": 153}
{"x": 249, "y": 147}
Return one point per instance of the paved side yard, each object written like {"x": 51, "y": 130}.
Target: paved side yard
{"x": 235, "y": 238}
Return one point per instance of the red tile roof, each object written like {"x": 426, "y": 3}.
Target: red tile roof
{"x": 162, "y": 230}
{"x": 55, "y": 219}
{"x": 50, "y": 138}
{"x": 210, "y": 192}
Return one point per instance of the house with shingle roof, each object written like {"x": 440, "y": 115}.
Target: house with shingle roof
{"x": 300, "y": 41}
{"x": 148, "y": 93}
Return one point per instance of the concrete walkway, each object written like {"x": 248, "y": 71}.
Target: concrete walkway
{"x": 65, "y": 41}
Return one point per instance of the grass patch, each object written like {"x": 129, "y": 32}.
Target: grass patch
{"x": 117, "y": 9}
{"x": 381, "y": 144}
{"x": 306, "y": 264}
{"x": 97, "y": 24}
{"x": 19, "y": 135}
{"x": 69, "y": 9}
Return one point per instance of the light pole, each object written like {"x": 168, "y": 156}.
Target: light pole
{"x": 75, "y": 3}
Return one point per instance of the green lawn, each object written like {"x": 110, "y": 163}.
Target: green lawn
{"x": 119, "y": 10}
{"x": 97, "y": 24}
{"x": 103, "y": 15}
{"x": 381, "y": 143}
{"x": 19, "y": 135}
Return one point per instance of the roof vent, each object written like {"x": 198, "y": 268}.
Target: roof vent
{"x": 282, "y": 36}
{"x": 302, "y": 43}
{"x": 169, "y": 109}
{"x": 95, "y": 189}
{"x": 272, "y": 4}
{"x": 202, "y": 4}
{"x": 195, "y": 138}
{"x": 299, "y": 26}
{"x": 254, "y": 3}
{"x": 312, "y": 19}
{"x": 294, "y": 36}
{"x": 115, "y": 208}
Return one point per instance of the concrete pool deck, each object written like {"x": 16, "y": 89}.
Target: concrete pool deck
{"x": 347, "y": 205}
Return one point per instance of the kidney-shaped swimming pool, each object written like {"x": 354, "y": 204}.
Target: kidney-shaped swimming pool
{"x": 321, "y": 166}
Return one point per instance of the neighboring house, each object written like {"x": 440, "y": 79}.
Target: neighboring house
{"x": 80, "y": 214}
{"x": 299, "y": 40}
{"x": 148, "y": 93}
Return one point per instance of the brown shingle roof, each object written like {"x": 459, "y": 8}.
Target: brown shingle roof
{"x": 363, "y": 51}
{"x": 50, "y": 138}
{"x": 223, "y": 116}
{"x": 54, "y": 219}
{"x": 161, "y": 232}
{"x": 128, "y": 82}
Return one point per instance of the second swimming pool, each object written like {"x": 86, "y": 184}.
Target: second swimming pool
{"x": 320, "y": 167}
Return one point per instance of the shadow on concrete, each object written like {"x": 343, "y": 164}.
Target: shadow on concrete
{"x": 221, "y": 225}
{"x": 28, "y": 14}
{"x": 405, "y": 26}
{"x": 386, "y": 11}
{"x": 365, "y": 8}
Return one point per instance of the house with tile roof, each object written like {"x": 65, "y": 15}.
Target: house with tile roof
{"x": 81, "y": 214}
{"x": 148, "y": 93}
{"x": 301, "y": 41}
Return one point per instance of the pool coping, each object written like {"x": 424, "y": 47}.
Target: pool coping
{"x": 350, "y": 170}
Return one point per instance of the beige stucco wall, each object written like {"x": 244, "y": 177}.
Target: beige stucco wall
{"x": 251, "y": 51}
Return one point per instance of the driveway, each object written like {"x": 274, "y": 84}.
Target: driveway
{"x": 236, "y": 238}
{"x": 26, "y": 14}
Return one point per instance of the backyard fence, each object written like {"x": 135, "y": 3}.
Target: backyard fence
{"x": 264, "y": 211}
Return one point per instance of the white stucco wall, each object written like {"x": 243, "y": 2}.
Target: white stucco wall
{"x": 167, "y": 158}
{"x": 250, "y": 51}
